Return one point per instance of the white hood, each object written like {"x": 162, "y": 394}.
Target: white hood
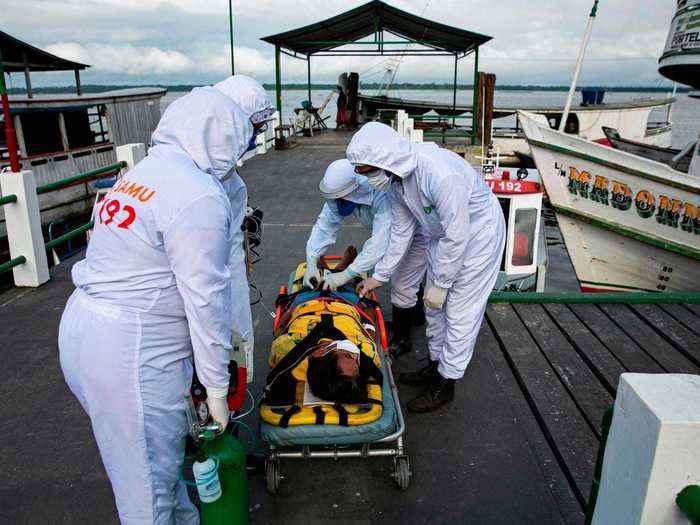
{"x": 380, "y": 146}
{"x": 207, "y": 127}
{"x": 249, "y": 95}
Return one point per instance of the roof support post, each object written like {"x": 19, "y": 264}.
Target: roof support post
{"x": 230, "y": 30}
{"x": 10, "y": 139}
{"x": 278, "y": 80}
{"x": 308, "y": 75}
{"x": 475, "y": 97}
{"x": 454, "y": 95}
{"x": 27, "y": 80}
{"x": 78, "y": 87}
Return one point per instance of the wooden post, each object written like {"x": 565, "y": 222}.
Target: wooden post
{"x": 486, "y": 86}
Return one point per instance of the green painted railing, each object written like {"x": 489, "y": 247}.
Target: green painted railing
{"x": 52, "y": 186}
{"x": 595, "y": 298}
{"x": 7, "y": 266}
{"x": 688, "y": 500}
{"x": 69, "y": 235}
{"x": 8, "y": 199}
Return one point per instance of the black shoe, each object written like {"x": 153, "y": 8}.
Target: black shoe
{"x": 422, "y": 377}
{"x": 402, "y": 320}
{"x": 439, "y": 392}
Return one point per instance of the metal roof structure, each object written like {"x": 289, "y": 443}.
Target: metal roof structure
{"x": 373, "y": 18}
{"x": 330, "y": 36}
{"x": 17, "y": 56}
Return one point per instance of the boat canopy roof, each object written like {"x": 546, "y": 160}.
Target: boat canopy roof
{"x": 20, "y": 56}
{"x": 373, "y": 18}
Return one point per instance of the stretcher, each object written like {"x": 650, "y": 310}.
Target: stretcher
{"x": 379, "y": 427}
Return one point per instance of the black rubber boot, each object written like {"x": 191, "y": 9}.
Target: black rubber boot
{"x": 418, "y": 311}
{"x": 421, "y": 377}
{"x": 402, "y": 320}
{"x": 439, "y": 392}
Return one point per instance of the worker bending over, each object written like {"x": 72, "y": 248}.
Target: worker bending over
{"x": 350, "y": 195}
{"x": 461, "y": 223}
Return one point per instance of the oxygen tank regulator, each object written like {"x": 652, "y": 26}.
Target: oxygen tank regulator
{"x": 219, "y": 469}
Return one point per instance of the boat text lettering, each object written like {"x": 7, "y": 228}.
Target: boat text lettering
{"x": 666, "y": 209}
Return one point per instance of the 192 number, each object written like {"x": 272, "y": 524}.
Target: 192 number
{"x": 110, "y": 208}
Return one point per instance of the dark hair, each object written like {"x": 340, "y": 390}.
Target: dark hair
{"x": 326, "y": 382}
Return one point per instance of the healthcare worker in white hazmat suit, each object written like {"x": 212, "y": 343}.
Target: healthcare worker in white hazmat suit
{"x": 252, "y": 100}
{"x": 461, "y": 220}
{"x": 347, "y": 195}
{"x": 152, "y": 294}
{"x": 350, "y": 195}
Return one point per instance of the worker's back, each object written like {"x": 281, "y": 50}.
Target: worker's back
{"x": 156, "y": 222}
{"x": 127, "y": 261}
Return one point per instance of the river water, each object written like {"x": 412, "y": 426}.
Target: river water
{"x": 560, "y": 273}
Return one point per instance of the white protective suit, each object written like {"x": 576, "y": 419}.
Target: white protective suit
{"x": 462, "y": 224}
{"x": 252, "y": 100}
{"x": 152, "y": 294}
{"x": 373, "y": 211}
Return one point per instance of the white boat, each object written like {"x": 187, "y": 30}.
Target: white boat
{"x": 629, "y": 223}
{"x": 680, "y": 61}
{"x": 646, "y": 121}
{"x": 524, "y": 263}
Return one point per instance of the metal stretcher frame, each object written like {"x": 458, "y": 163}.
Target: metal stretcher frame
{"x": 402, "y": 470}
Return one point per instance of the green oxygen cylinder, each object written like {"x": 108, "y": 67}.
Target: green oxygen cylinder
{"x": 232, "y": 507}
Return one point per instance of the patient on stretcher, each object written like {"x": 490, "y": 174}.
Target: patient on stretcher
{"x": 325, "y": 346}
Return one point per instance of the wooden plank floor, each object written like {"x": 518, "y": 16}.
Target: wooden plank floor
{"x": 566, "y": 361}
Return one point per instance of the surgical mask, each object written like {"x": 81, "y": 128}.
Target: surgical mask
{"x": 345, "y": 208}
{"x": 380, "y": 180}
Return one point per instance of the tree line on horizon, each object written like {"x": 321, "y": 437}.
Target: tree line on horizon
{"x": 99, "y": 88}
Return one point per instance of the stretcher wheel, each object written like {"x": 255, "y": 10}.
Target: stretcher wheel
{"x": 272, "y": 476}
{"x": 402, "y": 472}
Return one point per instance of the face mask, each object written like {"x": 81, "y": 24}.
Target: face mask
{"x": 345, "y": 208}
{"x": 379, "y": 180}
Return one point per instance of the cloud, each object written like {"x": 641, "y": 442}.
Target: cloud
{"x": 187, "y": 40}
{"x": 127, "y": 58}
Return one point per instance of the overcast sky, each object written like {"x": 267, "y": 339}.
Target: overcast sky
{"x": 186, "y": 41}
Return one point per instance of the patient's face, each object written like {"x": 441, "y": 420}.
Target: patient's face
{"x": 347, "y": 364}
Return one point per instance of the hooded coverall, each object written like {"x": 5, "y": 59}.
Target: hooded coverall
{"x": 373, "y": 211}
{"x": 251, "y": 99}
{"x": 152, "y": 294}
{"x": 460, "y": 220}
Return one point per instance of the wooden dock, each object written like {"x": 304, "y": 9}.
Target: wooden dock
{"x": 561, "y": 364}
{"x": 517, "y": 445}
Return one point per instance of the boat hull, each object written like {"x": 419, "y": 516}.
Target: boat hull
{"x": 629, "y": 223}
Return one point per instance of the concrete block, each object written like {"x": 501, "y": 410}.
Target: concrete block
{"x": 653, "y": 450}
{"x": 132, "y": 154}
{"x": 23, "y": 221}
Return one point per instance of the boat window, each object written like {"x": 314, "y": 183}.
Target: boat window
{"x": 41, "y": 132}
{"x": 505, "y": 206}
{"x": 524, "y": 237}
{"x": 85, "y": 127}
{"x": 572, "y": 124}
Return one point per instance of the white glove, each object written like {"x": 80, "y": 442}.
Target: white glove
{"x": 334, "y": 281}
{"x": 312, "y": 275}
{"x": 366, "y": 286}
{"x": 218, "y": 406}
{"x": 434, "y": 297}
